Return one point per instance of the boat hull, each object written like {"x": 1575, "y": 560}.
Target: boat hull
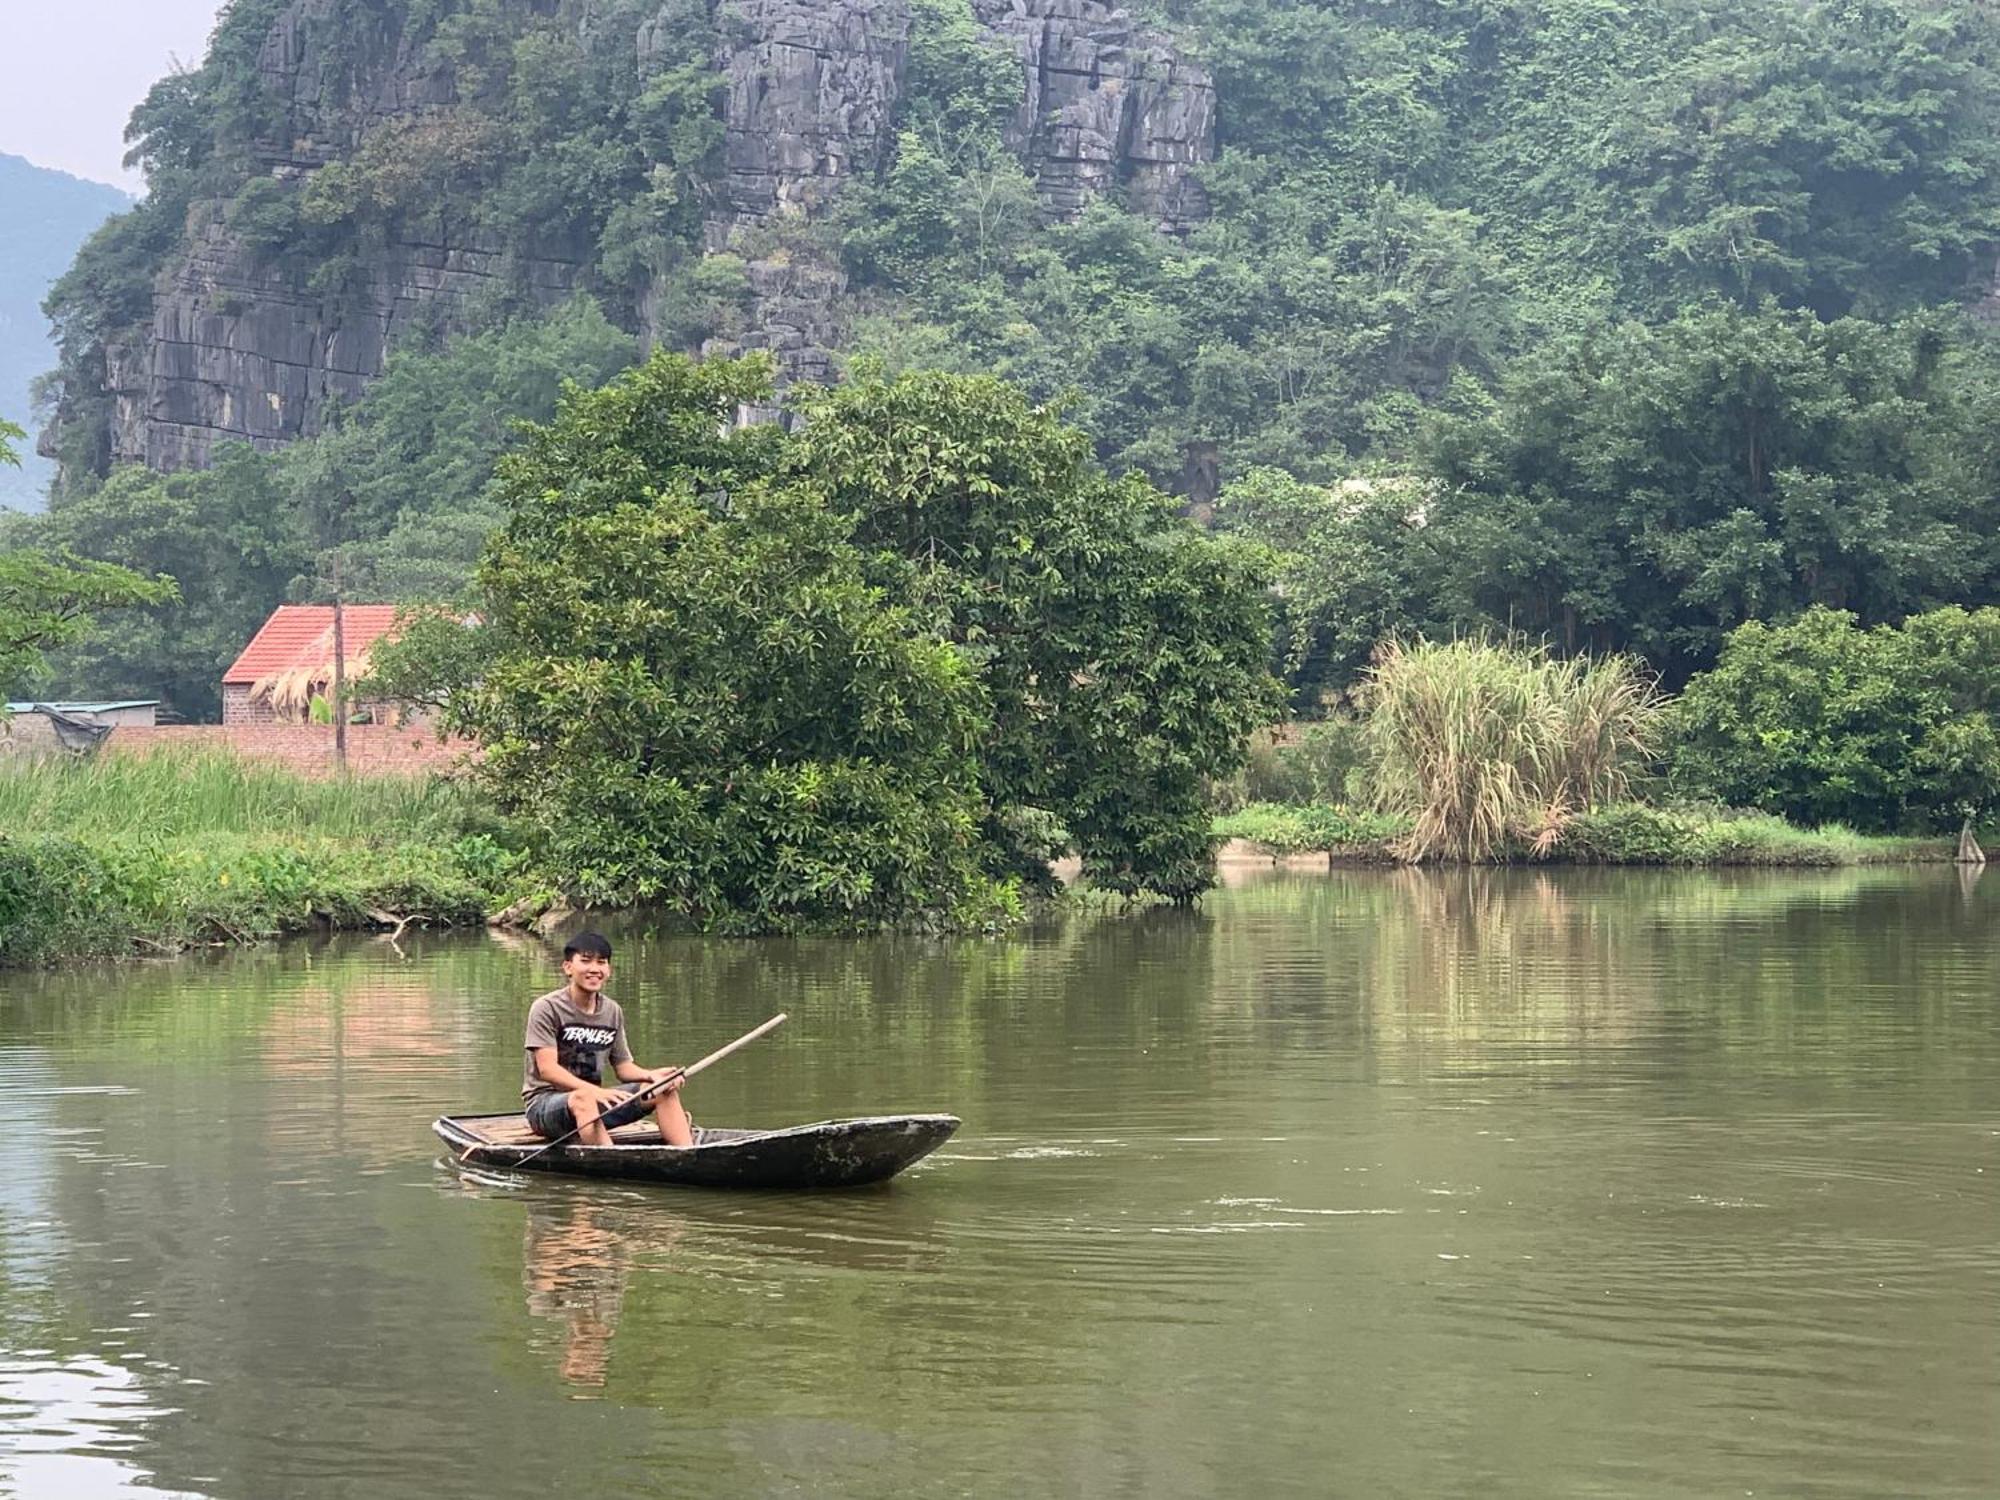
{"x": 830, "y": 1154}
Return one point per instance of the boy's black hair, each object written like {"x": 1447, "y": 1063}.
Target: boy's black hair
{"x": 589, "y": 944}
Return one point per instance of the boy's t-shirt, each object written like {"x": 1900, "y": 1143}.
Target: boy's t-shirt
{"x": 582, "y": 1039}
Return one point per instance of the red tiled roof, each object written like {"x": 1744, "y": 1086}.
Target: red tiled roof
{"x": 296, "y": 632}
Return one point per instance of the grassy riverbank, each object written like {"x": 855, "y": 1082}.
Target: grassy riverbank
{"x": 1625, "y": 834}
{"x": 156, "y": 854}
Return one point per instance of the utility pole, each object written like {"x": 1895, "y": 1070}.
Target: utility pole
{"x": 339, "y": 676}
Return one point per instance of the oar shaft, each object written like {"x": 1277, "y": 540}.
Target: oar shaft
{"x": 742, "y": 1041}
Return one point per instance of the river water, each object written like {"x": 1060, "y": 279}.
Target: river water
{"x": 1361, "y": 1183}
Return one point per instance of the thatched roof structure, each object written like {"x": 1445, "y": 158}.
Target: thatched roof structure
{"x": 290, "y": 660}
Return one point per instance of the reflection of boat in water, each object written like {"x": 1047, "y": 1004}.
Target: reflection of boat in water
{"x": 830, "y": 1154}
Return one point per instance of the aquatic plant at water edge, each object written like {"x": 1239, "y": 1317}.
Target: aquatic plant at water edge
{"x": 1481, "y": 744}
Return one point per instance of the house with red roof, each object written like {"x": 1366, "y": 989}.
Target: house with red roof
{"x": 289, "y": 661}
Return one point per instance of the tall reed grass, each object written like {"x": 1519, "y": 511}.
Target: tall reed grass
{"x": 1484, "y": 746}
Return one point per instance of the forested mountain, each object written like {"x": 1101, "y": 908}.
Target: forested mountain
{"x": 1620, "y": 320}
{"x": 44, "y": 217}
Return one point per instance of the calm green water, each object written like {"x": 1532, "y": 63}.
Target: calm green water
{"x": 1364, "y": 1184}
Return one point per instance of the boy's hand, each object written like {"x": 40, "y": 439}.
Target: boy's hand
{"x": 662, "y": 1075}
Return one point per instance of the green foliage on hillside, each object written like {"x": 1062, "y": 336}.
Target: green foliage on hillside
{"x": 1650, "y": 488}
{"x": 853, "y": 675}
{"x": 1407, "y": 196}
{"x": 1617, "y": 322}
{"x": 1407, "y": 193}
{"x": 561, "y": 139}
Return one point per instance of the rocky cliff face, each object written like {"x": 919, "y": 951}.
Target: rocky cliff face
{"x": 239, "y": 352}
{"x": 241, "y": 348}
{"x": 1107, "y": 103}
{"x": 811, "y": 101}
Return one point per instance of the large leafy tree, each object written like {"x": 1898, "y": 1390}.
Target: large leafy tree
{"x": 1651, "y": 490}
{"x": 857, "y": 673}
{"x": 690, "y": 688}
{"x": 1123, "y": 653}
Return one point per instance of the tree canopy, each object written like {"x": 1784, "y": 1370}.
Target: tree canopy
{"x": 854, "y": 674}
{"x": 46, "y": 600}
{"x": 1820, "y": 720}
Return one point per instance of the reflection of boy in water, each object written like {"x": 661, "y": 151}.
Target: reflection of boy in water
{"x": 572, "y": 1033}
{"x": 575, "y": 1269}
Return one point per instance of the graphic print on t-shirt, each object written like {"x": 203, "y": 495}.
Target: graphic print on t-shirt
{"x": 578, "y": 1048}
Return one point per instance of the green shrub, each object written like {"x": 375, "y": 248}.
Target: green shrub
{"x": 1819, "y": 720}
{"x": 1314, "y": 828}
{"x": 1632, "y": 834}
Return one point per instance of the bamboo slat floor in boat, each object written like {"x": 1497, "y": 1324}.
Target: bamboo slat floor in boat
{"x": 512, "y": 1130}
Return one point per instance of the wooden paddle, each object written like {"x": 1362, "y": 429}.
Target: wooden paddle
{"x": 679, "y": 1075}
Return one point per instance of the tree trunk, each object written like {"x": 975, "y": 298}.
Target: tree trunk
{"x": 1969, "y": 852}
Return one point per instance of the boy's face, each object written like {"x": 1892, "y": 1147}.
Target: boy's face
{"x": 587, "y": 972}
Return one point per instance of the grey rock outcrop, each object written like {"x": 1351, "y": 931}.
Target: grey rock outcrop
{"x": 243, "y": 347}
{"x": 812, "y": 94}
{"x": 239, "y": 352}
{"x": 1107, "y": 103}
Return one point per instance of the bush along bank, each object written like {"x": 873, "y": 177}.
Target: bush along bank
{"x": 1336, "y": 830}
{"x": 1626, "y": 833}
{"x": 159, "y": 855}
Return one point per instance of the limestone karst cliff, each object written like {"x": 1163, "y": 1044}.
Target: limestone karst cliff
{"x": 254, "y": 336}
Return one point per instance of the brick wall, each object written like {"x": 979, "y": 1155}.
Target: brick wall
{"x": 372, "y": 749}
{"x": 29, "y": 736}
{"x": 238, "y": 707}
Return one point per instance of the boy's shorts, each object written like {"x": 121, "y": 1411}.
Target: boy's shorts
{"x": 549, "y": 1117}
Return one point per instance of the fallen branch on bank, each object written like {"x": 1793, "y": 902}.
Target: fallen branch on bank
{"x": 394, "y": 920}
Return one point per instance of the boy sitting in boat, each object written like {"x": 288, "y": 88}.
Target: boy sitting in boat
{"x": 571, "y": 1033}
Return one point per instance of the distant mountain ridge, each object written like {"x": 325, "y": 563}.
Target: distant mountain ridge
{"x": 45, "y": 216}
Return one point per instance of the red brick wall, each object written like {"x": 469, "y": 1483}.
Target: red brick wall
{"x": 372, "y": 749}
{"x": 239, "y": 708}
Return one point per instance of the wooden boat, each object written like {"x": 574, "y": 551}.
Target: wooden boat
{"x": 831, "y": 1154}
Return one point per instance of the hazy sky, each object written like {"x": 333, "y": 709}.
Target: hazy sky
{"x": 71, "y": 70}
